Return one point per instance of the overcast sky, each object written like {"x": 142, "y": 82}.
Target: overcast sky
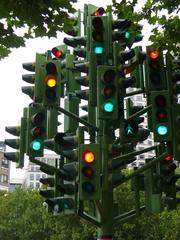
{"x": 12, "y": 100}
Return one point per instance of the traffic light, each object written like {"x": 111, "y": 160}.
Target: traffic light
{"x": 98, "y": 36}
{"x": 35, "y": 91}
{"x": 169, "y": 179}
{"x": 59, "y": 190}
{"x": 107, "y": 94}
{"x": 155, "y": 71}
{"x": 19, "y": 144}
{"x": 176, "y": 131}
{"x": 89, "y": 171}
{"x": 75, "y": 25}
{"x": 125, "y": 32}
{"x": 51, "y": 81}
{"x": 161, "y": 116}
{"x": 130, "y": 129}
{"x": 29, "y": 78}
{"x": 59, "y": 52}
{"x": 36, "y": 130}
{"x": 173, "y": 76}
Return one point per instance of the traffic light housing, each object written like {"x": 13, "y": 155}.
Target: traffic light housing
{"x": 161, "y": 116}
{"x": 89, "y": 171}
{"x": 176, "y": 131}
{"x": 169, "y": 179}
{"x": 98, "y": 37}
{"x": 19, "y": 144}
{"x": 155, "y": 71}
{"x": 36, "y": 130}
{"x": 107, "y": 94}
{"x": 51, "y": 80}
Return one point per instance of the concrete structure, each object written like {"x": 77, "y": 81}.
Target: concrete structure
{"x": 4, "y": 169}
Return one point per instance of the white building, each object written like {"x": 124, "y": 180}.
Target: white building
{"x": 33, "y": 173}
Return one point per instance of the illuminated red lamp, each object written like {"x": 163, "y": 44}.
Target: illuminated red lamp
{"x": 57, "y": 53}
{"x": 153, "y": 54}
{"x": 168, "y": 158}
{"x": 99, "y": 12}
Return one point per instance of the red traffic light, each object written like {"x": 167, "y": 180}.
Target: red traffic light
{"x": 99, "y": 12}
{"x": 153, "y": 54}
{"x": 168, "y": 158}
{"x": 57, "y": 53}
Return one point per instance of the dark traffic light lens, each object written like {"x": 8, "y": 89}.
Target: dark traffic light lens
{"x": 88, "y": 187}
{"x": 37, "y": 131}
{"x": 38, "y": 118}
{"x": 161, "y": 114}
{"x": 97, "y": 35}
{"x": 51, "y": 68}
{"x": 160, "y": 101}
{"x": 97, "y": 23}
{"x": 109, "y": 91}
{"x": 50, "y": 94}
{"x": 88, "y": 171}
{"x": 109, "y": 76}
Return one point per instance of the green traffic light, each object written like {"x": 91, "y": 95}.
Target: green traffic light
{"x": 98, "y": 50}
{"x": 108, "y": 106}
{"x": 36, "y": 145}
{"x": 162, "y": 129}
{"x": 127, "y": 35}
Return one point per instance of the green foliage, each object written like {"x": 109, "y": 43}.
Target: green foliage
{"x": 163, "y": 16}
{"x": 23, "y": 217}
{"x": 23, "y": 19}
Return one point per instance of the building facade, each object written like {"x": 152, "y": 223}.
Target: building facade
{"x": 4, "y": 169}
{"x": 33, "y": 173}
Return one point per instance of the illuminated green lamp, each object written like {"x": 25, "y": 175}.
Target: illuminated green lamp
{"x": 162, "y": 129}
{"x": 98, "y": 50}
{"x": 127, "y": 35}
{"x": 108, "y": 106}
{"x": 36, "y": 145}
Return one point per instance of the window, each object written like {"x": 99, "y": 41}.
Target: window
{"x": 31, "y": 184}
{"x": 4, "y": 178}
{"x": 31, "y": 177}
{"x": 4, "y": 163}
{"x": 37, "y": 184}
{"x": 37, "y": 177}
{"x": 37, "y": 168}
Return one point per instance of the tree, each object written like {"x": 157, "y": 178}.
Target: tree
{"x": 163, "y": 16}
{"x": 24, "y": 19}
